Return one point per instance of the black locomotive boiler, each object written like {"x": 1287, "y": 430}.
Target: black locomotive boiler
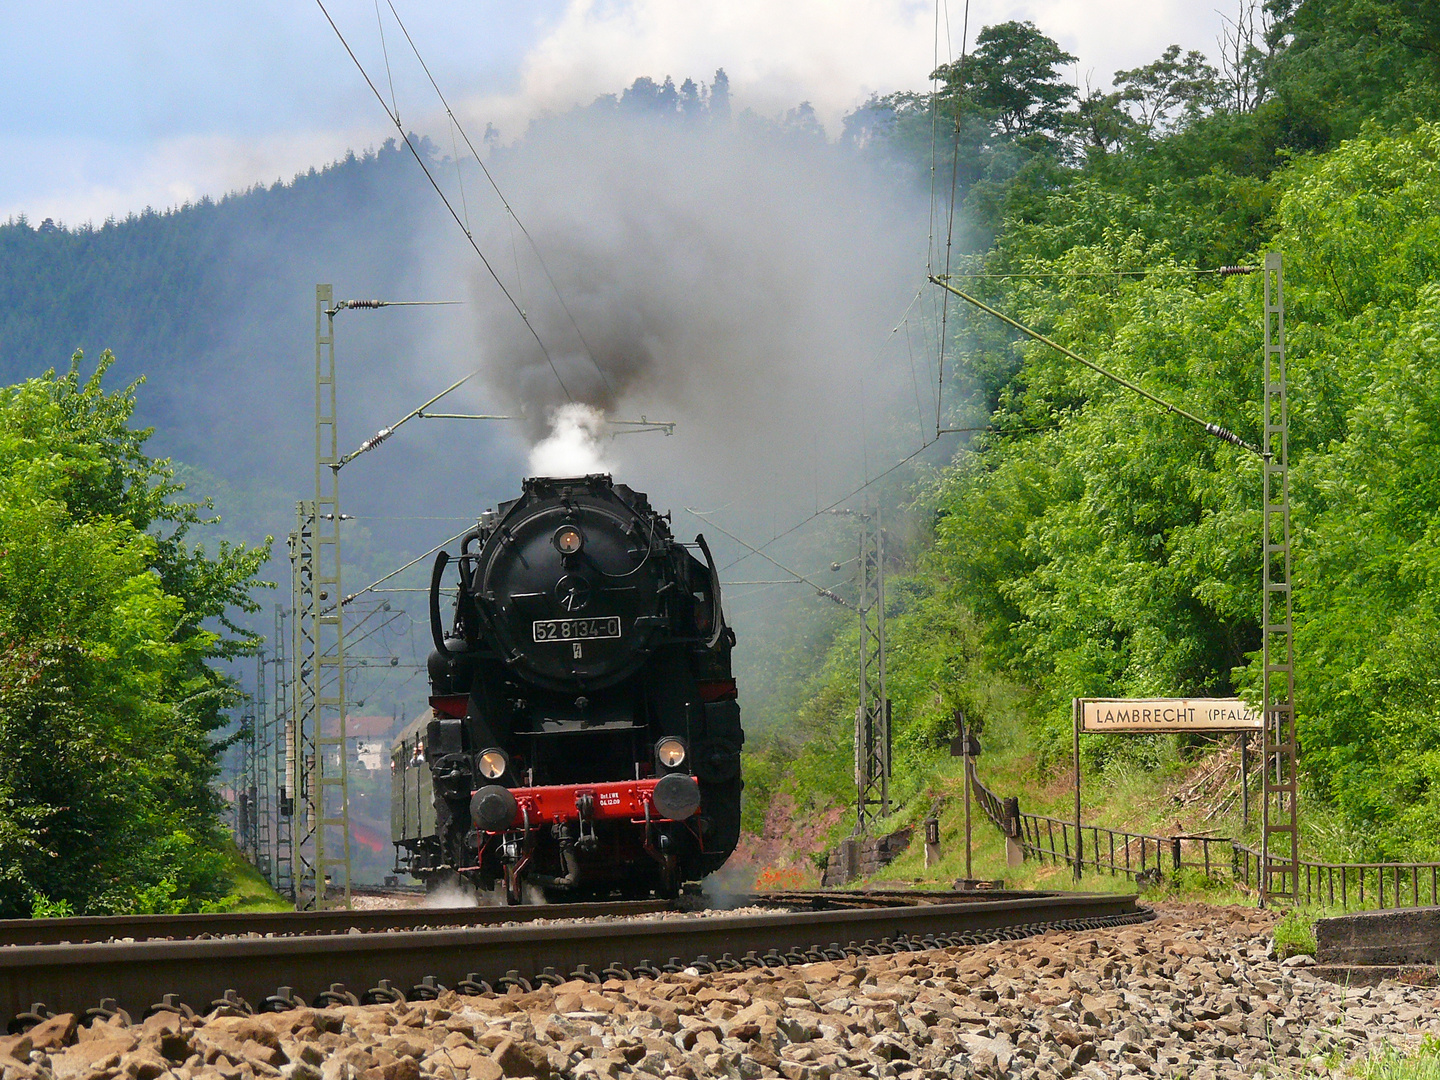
{"x": 583, "y": 734}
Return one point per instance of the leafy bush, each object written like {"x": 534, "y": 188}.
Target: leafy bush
{"x": 42, "y": 907}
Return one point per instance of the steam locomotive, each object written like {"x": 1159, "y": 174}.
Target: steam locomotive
{"x": 583, "y": 735}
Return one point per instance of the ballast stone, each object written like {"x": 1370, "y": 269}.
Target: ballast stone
{"x": 1190, "y": 994}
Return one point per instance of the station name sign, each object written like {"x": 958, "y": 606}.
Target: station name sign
{"x": 1167, "y": 714}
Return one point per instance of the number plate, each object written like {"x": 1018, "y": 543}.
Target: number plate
{"x": 577, "y": 629}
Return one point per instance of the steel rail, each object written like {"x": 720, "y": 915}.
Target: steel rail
{"x": 841, "y": 899}
{"x": 135, "y": 976}
{"x": 100, "y": 929}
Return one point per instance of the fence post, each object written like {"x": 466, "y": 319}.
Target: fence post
{"x": 1175, "y": 853}
{"x": 1014, "y": 850}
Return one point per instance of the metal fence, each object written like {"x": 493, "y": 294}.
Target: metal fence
{"x": 1119, "y": 852}
{"x": 1354, "y": 885}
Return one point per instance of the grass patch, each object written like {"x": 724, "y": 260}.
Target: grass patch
{"x": 248, "y": 887}
{"x": 1295, "y": 935}
{"x": 1422, "y": 1064}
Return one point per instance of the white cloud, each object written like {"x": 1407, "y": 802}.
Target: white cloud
{"x": 75, "y": 180}
{"x": 833, "y": 54}
{"x": 775, "y": 54}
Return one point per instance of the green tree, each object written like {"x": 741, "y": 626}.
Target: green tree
{"x": 111, "y": 623}
{"x": 1012, "y": 78}
{"x": 1101, "y": 124}
{"x": 1170, "y": 90}
{"x": 1338, "y": 63}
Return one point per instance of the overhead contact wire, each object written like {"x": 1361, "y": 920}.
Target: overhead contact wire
{"x": 501, "y": 196}
{"x": 385, "y": 51}
{"x": 821, "y": 589}
{"x": 385, "y": 433}
{"x": 402, "y": 569}
{"x": 1211, "y": 429}
{"x": 950, "y": 227}
{"x": 824, "y": 509}
{"x": 445, "y": 199}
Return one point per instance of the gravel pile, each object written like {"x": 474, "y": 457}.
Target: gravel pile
{"x": 1193, "y": 994}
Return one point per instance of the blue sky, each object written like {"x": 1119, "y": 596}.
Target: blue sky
{"x": 107, "y": 108}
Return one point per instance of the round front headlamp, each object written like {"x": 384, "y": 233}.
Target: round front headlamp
{"x": 670, "y": 753}
{"x": 568, "y": 540}
{"x": 493, "y": 763}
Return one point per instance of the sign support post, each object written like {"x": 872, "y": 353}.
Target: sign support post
{"x": 1075, "y": 716}
{"x": 1245, "y": 778}
{"x": 969, "y": 772}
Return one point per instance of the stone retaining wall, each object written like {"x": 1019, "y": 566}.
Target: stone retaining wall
{"x": 862, "y": 856}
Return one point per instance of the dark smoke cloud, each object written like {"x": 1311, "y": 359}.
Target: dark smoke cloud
{"x": 735, "y": 276}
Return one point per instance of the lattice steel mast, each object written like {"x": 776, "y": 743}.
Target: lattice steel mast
{"x": 244, "y": 788}
{"x": 322, "y": 766}
{"x": 264, "y": 775}
{"x": 1280, "y": 834}
{"x": 284, "y": 876}
{"x": 872, "y": 714}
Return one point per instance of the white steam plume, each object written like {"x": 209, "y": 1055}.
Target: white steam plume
{"x": 573, "y": 446}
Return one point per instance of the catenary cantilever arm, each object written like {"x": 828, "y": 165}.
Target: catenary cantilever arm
{"x": 1215, "y": 430}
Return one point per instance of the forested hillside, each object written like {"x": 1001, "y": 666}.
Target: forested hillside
{"x": 200, "y": 299}
{"x": 1091, "y": 544}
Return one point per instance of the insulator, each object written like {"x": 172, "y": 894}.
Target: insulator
{"x": 376, "y": 439}
{"x": 1231, "y": 271}
{"x": 365, "y": 303}
{"x": 1229, "y": 436}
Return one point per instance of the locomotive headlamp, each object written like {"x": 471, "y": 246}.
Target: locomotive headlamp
{"x": 493, "y": 763}
{"x": 568, "y": 540}
{"x": 670, "y": 753}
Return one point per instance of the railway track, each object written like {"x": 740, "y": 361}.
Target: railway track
{"x": 252, "y": 962}
{"x": 101, "y": 929}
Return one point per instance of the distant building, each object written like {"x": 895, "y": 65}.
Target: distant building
{"x": 369, "y": 738}
{"x": 370, "y": 755}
